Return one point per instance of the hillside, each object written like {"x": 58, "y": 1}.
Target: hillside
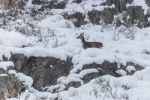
{"x": 41, "y": 57}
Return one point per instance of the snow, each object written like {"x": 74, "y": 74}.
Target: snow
{"x": 2, "y": 75}
{"x": 59, "y": 40}
{"x": 141, "y": 3}
{"x": 12, "y": 38}
{"x": 28, "y": 81}
{"x": 130, "y": 68}
{"x": 121, "y": 72}
{"x": 6, "y": 64}
{"x": 122, "y": 51}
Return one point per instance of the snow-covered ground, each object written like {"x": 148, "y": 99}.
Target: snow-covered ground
{"x": 135, "y": 87}
{"x": 59, "y": 40}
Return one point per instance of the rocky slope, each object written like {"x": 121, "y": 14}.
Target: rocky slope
{"x": 50, "y": 54}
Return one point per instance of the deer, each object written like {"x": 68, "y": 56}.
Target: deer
{"x": 87, "y": 44}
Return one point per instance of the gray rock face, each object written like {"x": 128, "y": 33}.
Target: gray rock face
{"x": 3, "y": 86}
{"x": 108, "y": 15}
{"x": 9, "y": 86}
{"x": 19, "y": 64}
{"x": 120, "y": 5}
{"x": 137, "y": 68}
{"x": 147, "y": 2}
{"x": 54, "y": 4}
{"x": 136, "y": 16}
{"x": 37, "y": 2}
{"x": 2, "y": 71}
{"x": 77, "y": 1}
{"x": 61, "y": 5}
{"x": 94, "y": 16}
{"x": 108, "y": 2}
{"x": 77, "y": 18}
{"x": 73, "y": 84}
{"x": 44, "y": 70}
{"x": 107, "y": 68}
{"x": 98, "y": 17}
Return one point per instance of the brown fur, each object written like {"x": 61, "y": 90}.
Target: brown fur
{"x": 87, "y": 44}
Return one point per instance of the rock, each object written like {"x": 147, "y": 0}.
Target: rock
{"x": 108, "y": 15}
{"x": 136, "y": 66}
{"x": 147, "y": 2}
{"x": 53, "y": 5}
{"x": 77, "y": 18}
{"x": 44, "y": 70}
{"x": 4, "y": 58}
{"x": 98, "y": 17}
{"x": 3, "y": 86}
{"x": 2, "y": 71}
{"x": 104, "y": 68}
{"x": 121, "y": 72}
{"x": 129, "y": 1}
{"x": 19, "y": 61}
{"x": 38, "y": 2}
{"x": 9, "y": 86}
{"x": 130, "y": 69}
{"x": 136, "y": 16}
{"x": 120, "y": 5}
{"x": 108, "y": 68}
{"x": 61, "y": 5}
{"x": 73, "y": 84}
{"x": 49, "y": 5}
{"x": 108, "y": 3}
{"x": 94, "y": 16}
{"x": 89, "y": 77}
{"x": 77, "y": 1}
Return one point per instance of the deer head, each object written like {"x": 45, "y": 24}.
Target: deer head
{"x": 80, "y": 36}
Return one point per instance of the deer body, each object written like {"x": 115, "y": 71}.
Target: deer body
{"x": 87, "y": 44}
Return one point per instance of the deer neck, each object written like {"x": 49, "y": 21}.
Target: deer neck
{"x": 83, "y": 40}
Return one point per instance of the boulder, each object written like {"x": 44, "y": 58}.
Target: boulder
{"x": 95, "y": 16}
{"x": 77, "y": 1}
{"x": 44, "y": 70}
{"x": 77, "y": 18}
{"x": 52, "y": 5}
{"x": 98, "y": 17}
{"x": 38, "y": 2}
{"x": 147, "y": 2}
{"x": 9, "y": 86}
{"x": 136, "y": 16}
{"x": 108, "y": 68}
{"x": 108, "y": 15}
